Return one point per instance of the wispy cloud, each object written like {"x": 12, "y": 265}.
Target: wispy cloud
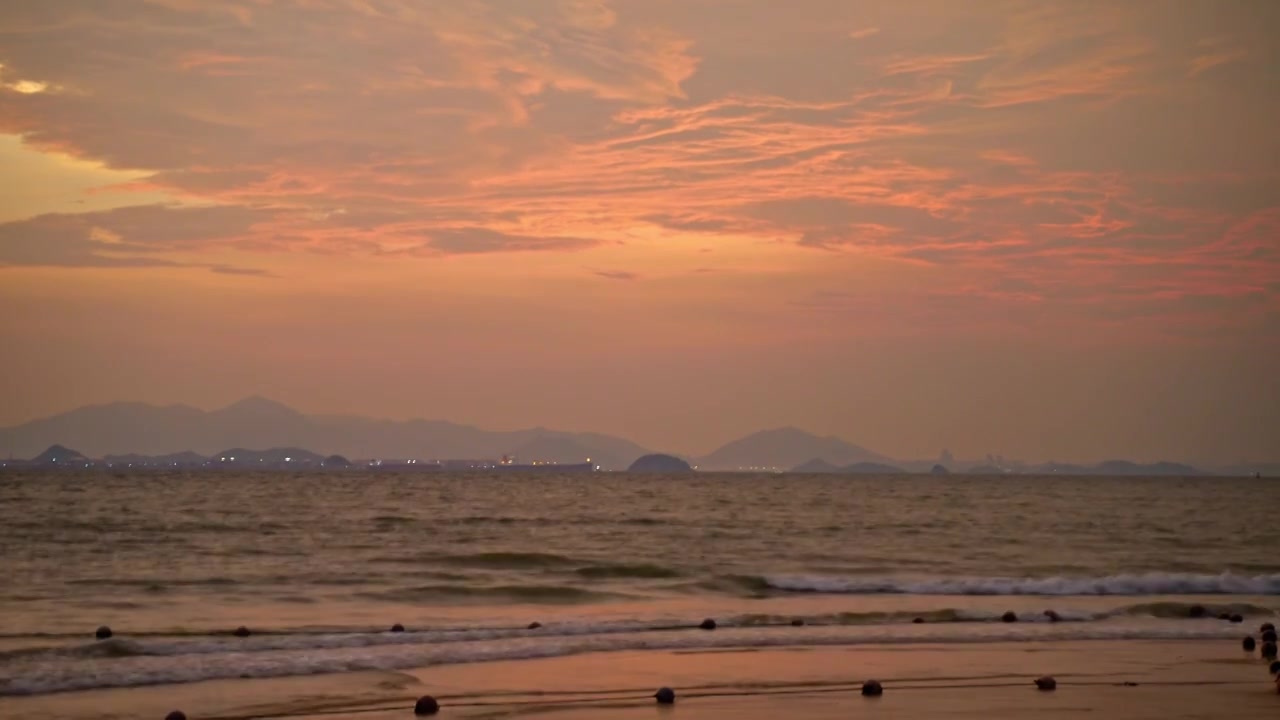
{"x": 1031, "y": 144}
{"x": 1214, "y": 52}
{"x": 617, "y": 274}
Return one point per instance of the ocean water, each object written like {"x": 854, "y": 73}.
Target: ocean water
{"x": 318, "y": 567}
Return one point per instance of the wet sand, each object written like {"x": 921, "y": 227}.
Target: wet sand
{"x": 1107, "y": 679}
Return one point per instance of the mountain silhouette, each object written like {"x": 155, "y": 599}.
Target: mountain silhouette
{"x": 820, "y": 466}
{"x": 783, "y": 449}
{"x": 659, "y": 463}
{"x": 257, "y": 422}
{"x": 59, "y": 455}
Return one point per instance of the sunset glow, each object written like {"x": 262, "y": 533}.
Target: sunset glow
{"x": 1046, "y": 229}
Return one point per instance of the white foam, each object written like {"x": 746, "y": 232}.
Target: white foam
{"x": 55, "y": 674}
{"x": 1134, "y": 585}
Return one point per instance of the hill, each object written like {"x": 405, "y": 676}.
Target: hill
{"x": 59, "y": 455}
{"x": 785, "y": 448}
{"x": 820, "y": 466}
{"x": 150, "y": 430}
{"x": 1120, "y": 467}
{"x": 182, "y": 459}
{"x": 658, "y": 463}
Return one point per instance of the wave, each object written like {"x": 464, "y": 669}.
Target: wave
{"x": 544, "y": 562}
{"x": 944, "y": 615}
{"x": 155, "y": 584}
{"x": 1133, "y": 585}
{"x": 129, "y": 664}
{"x": 508, "y": 560}
{"x": 195, "y": 641}
{"x": 518, "y": 593}
{"x": 625, "y": 570}
{"x": 750, "y": 585}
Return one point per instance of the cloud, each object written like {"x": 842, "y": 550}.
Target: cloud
{"x": 123, "y": 237}
{"x": 232, "y": 270}
{"x": 930, "y": 64}
{"x": 617, "y": 274}
{"x": 1028, "y": 142}
{"x": 476, "y": 240}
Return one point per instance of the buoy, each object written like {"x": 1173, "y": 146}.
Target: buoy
{"x": 708, "y": 624}
{"x": 1275, "y": 667}
{"x": 1269, "y": 651}
{"x": 665, "y": 696}
{"x": 1052, "y": 615}
{"x": 1248, "y": 644}
{"x": 1266, "y": 626}
{"x": 242, "y": 631}
{"x": 1237, "y": 618}
{"x": 797, "y": 622}
{"x": 917, "y": 621}
{"x": 426, "y": 705}
{"x": 1046, "y": 683}
{"x": 1196, "y": 611}
{"x": 535, "y": 625}
{"x": 1269, "y": 636}
{"x": 1009, "y": 616}
{"x": 103, "y": 633}
{"x": 397, "y": 628}
{"x": 176, "y": 715}
{"x": 871, "y": 688}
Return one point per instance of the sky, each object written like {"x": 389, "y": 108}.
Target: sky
{"x": 1048, "y": 230}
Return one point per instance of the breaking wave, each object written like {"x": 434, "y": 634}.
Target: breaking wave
{"x": 498, "y": 593}
{"x": 129, "y": 663}
{"x": 1133, "y": 585}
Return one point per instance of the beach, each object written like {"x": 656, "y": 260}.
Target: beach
{"x": 1111, "y": 679}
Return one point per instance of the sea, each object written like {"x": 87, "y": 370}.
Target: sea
{"x": 319, "y": 568}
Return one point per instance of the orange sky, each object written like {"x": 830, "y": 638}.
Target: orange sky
{"x": 1044, "y": 229}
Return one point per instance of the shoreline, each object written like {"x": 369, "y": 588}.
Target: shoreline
{"x": 1121, "y": 679}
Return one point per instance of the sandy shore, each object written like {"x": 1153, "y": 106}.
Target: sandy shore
{"x": 1108, "y": 679}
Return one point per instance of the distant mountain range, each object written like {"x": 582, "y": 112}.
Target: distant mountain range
{"x": 138, "y": 433}
{"x": 783, "y": 449}
{"x": 1118, "y": 467}
{"x": 145, "y": 430}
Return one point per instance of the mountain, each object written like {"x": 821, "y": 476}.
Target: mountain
{"x": 59, "y": 455}
{"x": 552, "y": 448}
{"x": 1125, "y": 467}
{"x": 256, "y": 422}
{"x": 270, "y": 458}
{"x": 816, "y": 466}
{"x": 658, "y": 463}
{"x": 820, "y": 466}
{"x": 1119, "y": 467}
{"x": 871, "y": 468}
{"x": 182, "y": 459}
{"x": 785, "y": 448}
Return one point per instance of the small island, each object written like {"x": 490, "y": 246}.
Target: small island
{"x": 658, "y": 463}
